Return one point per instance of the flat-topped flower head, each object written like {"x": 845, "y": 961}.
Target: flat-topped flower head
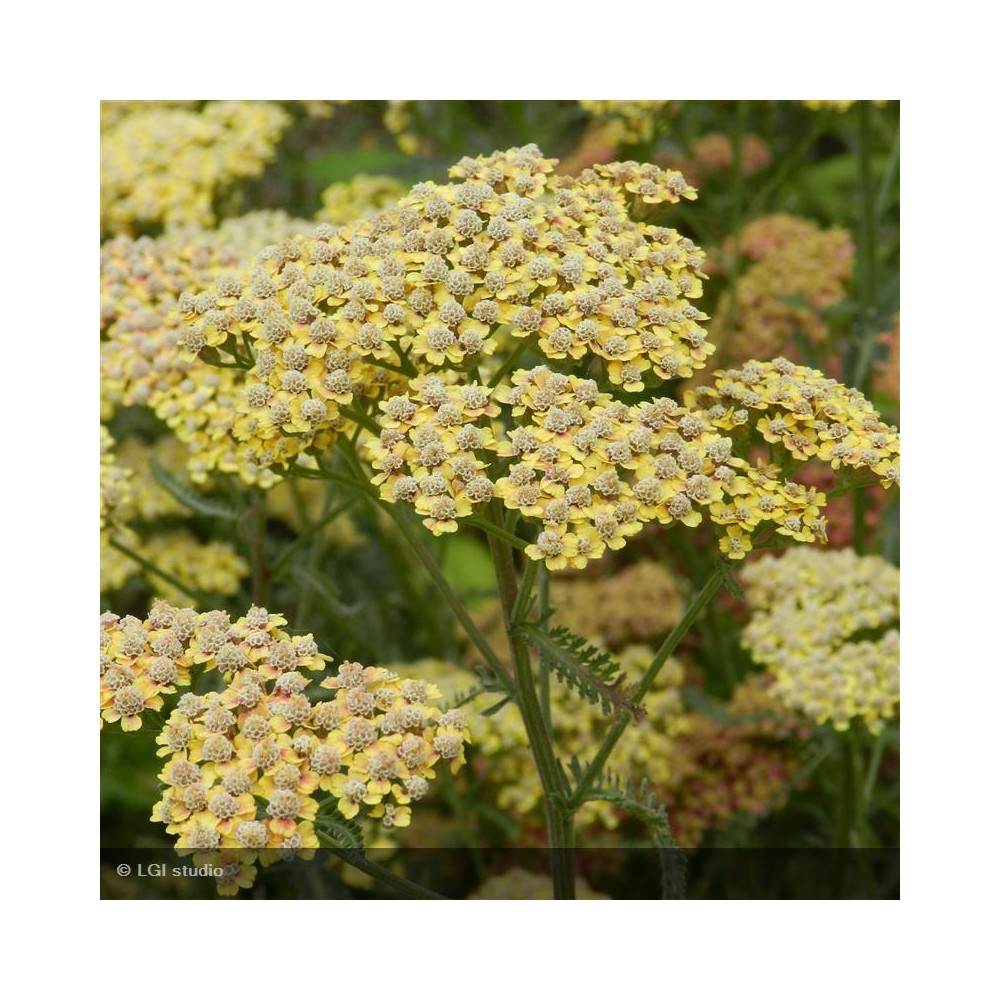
{"x": 434, "y": 283}
{"x": 808, "y": 609}
{"x": 169, "y": 165}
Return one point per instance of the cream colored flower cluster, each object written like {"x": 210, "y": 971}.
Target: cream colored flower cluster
{"x": 132, "y": 506}
{"x": 825, "y": 624}
{"x": 170, "y": 165}
{"x": 363, "y": 195}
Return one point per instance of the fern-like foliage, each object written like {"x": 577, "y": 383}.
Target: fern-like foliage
{"x": 643, "y": 804}
{"x": 728, "y": 580}
{"x": 345, "y": 833}
{"x": 591, "y": 672}
{"x": 190, "y": 497}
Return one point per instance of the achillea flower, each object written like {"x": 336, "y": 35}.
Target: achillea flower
{"x": 140, "y": 283}
{"x": 246, "y": 767}
{"x": 804, "y": 413}
{"x": 636, "y": 604}
{"x": 115, "y": 112}
{"x": 398, "y": 119}
{"x": 143, "y": 660}
{"x": 149, "y": 499}
{"x": 712, "y": 154}
{"x": 434, "y": 279}
{"x": 117, "y": 491}
{"x": 793, "y": 261}
{"x": 211, "y": 567}
{"x": 169, "y": 166}
{"x": 361, "y": 196}
{"x": 628, "y": 122}
{"x": 809, "y": 608}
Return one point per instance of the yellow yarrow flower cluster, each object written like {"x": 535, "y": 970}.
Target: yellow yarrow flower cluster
{"x": 806, "y": 414}
{"x": 143, "y": 660}
{"x": 398, "y": 119}
{"x": 628, "y": 122}
{"x": 140, "y": 283}
{"x": 808, "y": 607}
{"x": 115, "y": 112}
{"x": 169, "y": 166}
{"x": 211, "y": 567}
{"x": 590, "y": 469}
{"x": 117, "y": 491}
{"x": 150, "y": 500}
{"x": 247, "y": 765}
{"x": 429, "y": 284}
{"x": 361, "y": 196}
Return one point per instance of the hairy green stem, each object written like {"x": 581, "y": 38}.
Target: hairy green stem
{"x": 427, "y": 560}
{"x": 558, "y": 818}
{"x": 544, "y": 680}
{"x": 404, "y": 886}
{"x": 666, "y": 650}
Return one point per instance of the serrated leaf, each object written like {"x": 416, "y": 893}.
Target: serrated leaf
{"x": 728, "y": 580}
{"x": 346, "y": 833}
{"x": 190, "y": 497}
{"x": 493, "y": 709}
{"x": 591, "y": 672}
{"x": 643, "y": 804}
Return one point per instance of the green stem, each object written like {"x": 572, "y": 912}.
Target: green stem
{"x": 788, "y": 163}
{"x": 558, "y": 818}
{"x": 490, "y": 528}
{"x": 261, "y": 575}
{"x": 544, "y": 680}
{"x": 666, "y": 650}
{"x": 848, "y": 834}
{"x": 404, "y": 886}
{"x": 361, "y": 419}
{"x": 280, "y": 562}
{"x": 429, "y": 563}
{"x": 523, "y": 602}
{"x": 151, "y": 567}
{"x": 871, "y": 774}
{"x": 508, "y": 365}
